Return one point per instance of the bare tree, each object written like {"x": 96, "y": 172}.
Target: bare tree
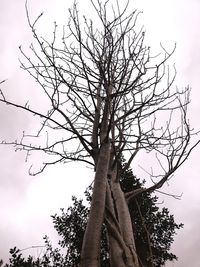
{"x": 107, "y": 97}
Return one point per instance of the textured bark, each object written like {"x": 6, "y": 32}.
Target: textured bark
{"x": 120, "y": 233}
{"x": 130, "y": 255}
{"x": 114, "y": 234}
{"x": 91, "y": 241}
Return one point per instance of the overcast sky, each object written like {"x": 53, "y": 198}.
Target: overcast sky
{"x": 26, "y": 203}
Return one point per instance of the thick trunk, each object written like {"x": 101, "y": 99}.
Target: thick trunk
{"x": 120, "y": 233}
{"x": 114, "y": 233}
{"x": 91, "y": 242}
{"x": 130, "y": 255}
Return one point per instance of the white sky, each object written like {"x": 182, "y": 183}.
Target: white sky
{"x": 26, "y": 203}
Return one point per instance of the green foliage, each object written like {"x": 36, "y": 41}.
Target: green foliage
{"x": 51, "y": 258}
{"x": 17, "y": 260}
{"x": 70, "y": 226}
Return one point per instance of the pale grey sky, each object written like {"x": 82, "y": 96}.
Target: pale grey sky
{"x": 26, "y": 203}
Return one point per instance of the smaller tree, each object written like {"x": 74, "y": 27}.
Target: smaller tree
{"x": 154, "y": 228}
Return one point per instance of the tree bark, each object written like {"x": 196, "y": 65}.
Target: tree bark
{"x": 115, "y": 246}
{"x": 130, "y": 255}
{"x": 119, "y": 226}
{"x": 90, "y": 255}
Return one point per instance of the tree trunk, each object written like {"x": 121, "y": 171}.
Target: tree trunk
{"x": 130, "y": 255}
{"x": 90, "y": 254}
{"x": 114, "y": 233}
{"x": 120, "y": 233}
